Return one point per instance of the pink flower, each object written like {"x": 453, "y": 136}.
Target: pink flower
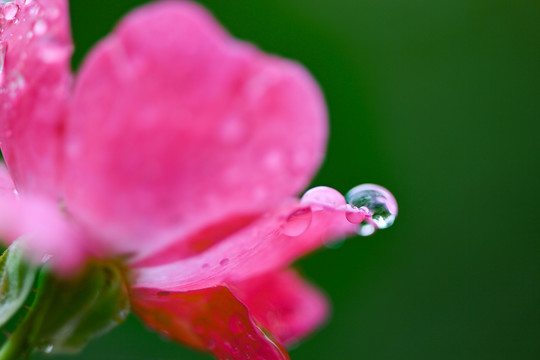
{"x": 177, "y": 148}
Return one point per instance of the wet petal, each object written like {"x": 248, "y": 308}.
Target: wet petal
{"x": 35, "y": 48}
{"x": 208, "y": 319}
{"x": 175, "y": 127}
{"x": 284, "y": 304}
{"x": 271, "y": 242}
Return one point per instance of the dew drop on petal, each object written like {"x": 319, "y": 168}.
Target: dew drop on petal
{"x": 298, "y": 222}
{"x": 378, "y": 200}
{"x": 3, "y": 51}
{"x": 10, "y": 11}
{"x": 323, "y": 195}
{"x": 224, "y": 262}
{"x": 40, "y": 27}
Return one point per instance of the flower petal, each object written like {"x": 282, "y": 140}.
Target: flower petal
{"x": 272, "y": 242}
{"x": 7, "y": 189}
{"x": 284, "y": 304}
{"x": 35, "y": 48}
{"x": 43, "y": 230}
{"x": 209, "y": 319}
{"x": 175, "y": 127}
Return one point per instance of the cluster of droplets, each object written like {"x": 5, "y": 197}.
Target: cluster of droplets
{"x": 370, "y": 206}
{"x": 23, "y": 22}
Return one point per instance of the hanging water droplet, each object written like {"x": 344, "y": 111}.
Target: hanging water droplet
{"x": 380, "y": 202}
{"x": 366, "y": 229}
{"x": 47, "y": 349}
{"x": 355, "y": 215}
{"x": 10, "y": 11}
{"x": 298, "y": 222}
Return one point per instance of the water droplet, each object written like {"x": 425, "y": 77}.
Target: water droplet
{"x": 47, "y": 349}
{"x": 16, "y": 85}
{"x": 324, "y": 196}
{"x": 236, "y": 325}
{"x": 3, "y": 51}
{"x": 122, "y": 315}
{"x": 50, "y": 52}
{"x": 40, "y": 27}
{"x": 380, "y": 202}
{"x": 224, "y": 262}
{"x": 10, "y": 11}
{"x": 356, "y": 215}
{"x": 298, "y": 222}
{"x": 366, "y": 229}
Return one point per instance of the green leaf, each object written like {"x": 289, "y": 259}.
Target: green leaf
{"x": 71, "y": 312}
{"x": 67, "y": 313}
{"x": 16, "y": 279}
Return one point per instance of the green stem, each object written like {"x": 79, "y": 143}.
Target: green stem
{"x": 17, "y": 347}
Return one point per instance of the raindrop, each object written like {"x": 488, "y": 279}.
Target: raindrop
{"x": 224, "y": 262}
{"x": 122, "y": 315}
{"x": 355, "y": 215}
{"x": 47, "y": 349}
{"x": 298, "y": 222}
{"x": 381, "y": 205}
{"x": 40, "y": 27}
{"x": 10, "y": 11}
{"x": 366, "y": 229}
{"x": 50, "y": 52}
{"x": 3, "y": 51}
{"x": 323, "y": 196}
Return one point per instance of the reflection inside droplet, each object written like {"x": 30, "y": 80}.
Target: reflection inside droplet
{"x": 380, "y": 203}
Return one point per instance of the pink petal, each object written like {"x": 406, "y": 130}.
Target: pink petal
{"x": 35, "y": 48}
{"x": 272, "y": 242}
{"x": 209, "y": 319}
{"x": 176, "y": 127}
{"x": 45, "y": 231}
{"x": 7, "y": 189}
{"x": 284, "y": 304}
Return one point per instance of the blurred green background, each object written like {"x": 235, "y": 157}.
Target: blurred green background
{"x": 439, "y": 102}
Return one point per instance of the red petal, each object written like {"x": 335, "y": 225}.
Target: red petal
{"x": 176, "y": 127}
{"x": 210, "y": 319}
{"x": 35, "y": 48}
{"x": 284, "y": 304}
